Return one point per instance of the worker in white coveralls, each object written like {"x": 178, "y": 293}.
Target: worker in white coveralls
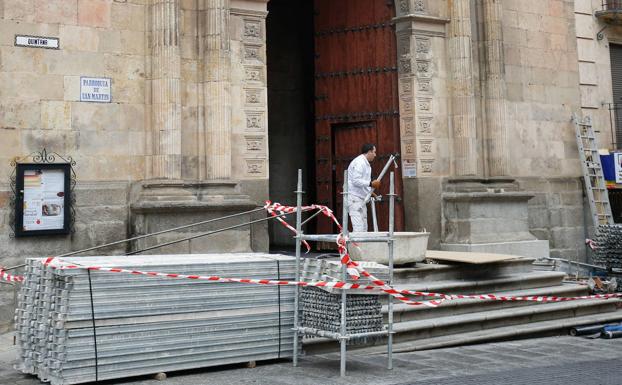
{"x": 359, "y": 185}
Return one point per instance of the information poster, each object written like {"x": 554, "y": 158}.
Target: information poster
{"x": 43, "y": 199}
{"x": 617, "y": 157}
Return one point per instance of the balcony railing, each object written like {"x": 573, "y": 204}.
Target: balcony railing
{"x": 610, "y": 12}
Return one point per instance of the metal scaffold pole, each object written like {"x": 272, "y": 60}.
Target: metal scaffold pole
{"x": 299, "y": 193}
{"x": 343, "y": 336}
{"x": 390, "y": 244}
{"x": 343, "y": 339}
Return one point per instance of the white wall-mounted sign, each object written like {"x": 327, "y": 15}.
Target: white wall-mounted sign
{"x": 617, "y": 158}
{"x": 409, "y": 168}
{"x": 37, "y": 41}
{"x": 95, "y": 90}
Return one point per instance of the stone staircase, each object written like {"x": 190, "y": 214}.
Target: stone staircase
{"x": 468, "y": 321}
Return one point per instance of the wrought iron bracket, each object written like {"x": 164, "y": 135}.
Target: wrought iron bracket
{"x": 600, "y": 35}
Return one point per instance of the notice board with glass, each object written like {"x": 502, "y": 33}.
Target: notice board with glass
{"x": 42, "y": 199}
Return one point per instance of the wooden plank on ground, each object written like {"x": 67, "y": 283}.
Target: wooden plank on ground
{"x": 467, "y": 257}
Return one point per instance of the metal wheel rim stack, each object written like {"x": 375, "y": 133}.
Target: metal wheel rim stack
{"x": 609, "y": 246}
{"x": 322, "y": 311}
{"x": 146, "y": 325}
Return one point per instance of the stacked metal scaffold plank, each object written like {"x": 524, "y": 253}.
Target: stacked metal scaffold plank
{"x": 608, "y": 250}
{"x": 76, "y": 326}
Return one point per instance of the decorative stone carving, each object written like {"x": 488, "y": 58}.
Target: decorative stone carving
{"x": 406, "y": 107}
{"x": 424, "y": 85}
{"x": 425, "y": 125}
{"x": 252, "y": 30}
{"x": 253, "y": 74}
{"x": 255, "y": 167}
{"x": 254, "y": 144}
{"x": 405, "y": 66}
{"x": 419, "y": 6}
{"x": 426, "y": 146}
{"x": 253, "y": 97}
{"x": 403, "y": 6}
{"x": 424, "y": 68}
{"x": 253, "y": 53}
{"x": 406, "y": 87}
{"x": 422, "y": 44}
{"x": 427, "y": 166}
{"x": 403, "y": 44}
{"x": 409, "y": 130}
{"x": 409, "y": 148}
{"x": 424, "y": 104}
{"x": 254, "y": 121}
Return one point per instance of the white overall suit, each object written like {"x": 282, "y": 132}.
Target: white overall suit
{"x": 359, "y": 177}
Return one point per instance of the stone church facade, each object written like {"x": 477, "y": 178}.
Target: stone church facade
{"x": 486, "y": 89}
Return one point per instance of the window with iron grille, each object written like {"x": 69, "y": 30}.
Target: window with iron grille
{"x": 615, "y": 54}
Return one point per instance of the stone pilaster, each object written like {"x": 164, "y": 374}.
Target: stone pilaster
{"x": 462, "y": 89}
{"x": 165, "y": 92}
{"x": 217, "y": 90}
{"x": 496, "y": 127}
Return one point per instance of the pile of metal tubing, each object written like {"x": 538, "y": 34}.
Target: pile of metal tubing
{"x": 321, "y": 310}
{"x": 608, "y": 250}
{"x": 76, "y": 325}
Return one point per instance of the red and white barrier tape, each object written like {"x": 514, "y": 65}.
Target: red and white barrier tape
{"x": 63, "y": 265}
{"x": 4, "y": 276}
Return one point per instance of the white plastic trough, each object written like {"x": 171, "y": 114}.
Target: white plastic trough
{"x": 408, "y": 247}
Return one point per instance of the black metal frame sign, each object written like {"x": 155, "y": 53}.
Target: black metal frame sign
{"x": 43, "y": 199}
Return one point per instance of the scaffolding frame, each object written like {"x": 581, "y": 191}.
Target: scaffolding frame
{"x": 343, "y": 335}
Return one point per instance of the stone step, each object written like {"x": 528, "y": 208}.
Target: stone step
{"x": 531, "y": 280}
{"x": 528, "y": 330}
{"x": 442, "y": 272}
{"x": 403, "y": 312}
{"x": 456, "y": 326}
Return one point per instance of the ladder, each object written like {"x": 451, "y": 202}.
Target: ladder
{"x": 592, "y": 172}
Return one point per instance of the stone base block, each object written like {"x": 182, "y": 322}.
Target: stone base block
{"x": 531, "y": 248}
{"x": 172, "y": 204}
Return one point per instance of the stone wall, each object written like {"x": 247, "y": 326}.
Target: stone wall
{"x": 595, "y": 68}
{"x": 558, "y": 213}
{"x": 40, "y": 90}
{"x": 542, "y": 77}
{"x": 163, "y": 121}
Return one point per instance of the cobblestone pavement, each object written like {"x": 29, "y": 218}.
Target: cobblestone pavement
{"x": 551, "y": 360}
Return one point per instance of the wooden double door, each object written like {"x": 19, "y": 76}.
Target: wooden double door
{"x": 356, "y": 98}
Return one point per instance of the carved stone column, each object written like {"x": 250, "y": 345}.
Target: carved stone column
{"x": 165, "y": 95}
{"x": 496, "y": 128}
{"x": 217, "y": 90}
{"x": 462, "y": 89}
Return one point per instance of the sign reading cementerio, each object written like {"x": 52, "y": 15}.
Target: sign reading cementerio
{"x": 96, "y": 90}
